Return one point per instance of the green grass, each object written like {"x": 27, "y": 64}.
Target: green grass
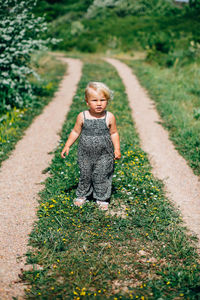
{"x": 176, "y": 92}
{"x": 14, "y": 122}
{"x": 85, "y": 253}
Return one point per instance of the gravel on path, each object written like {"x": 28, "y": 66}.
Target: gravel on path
{"x": 182, "y": 186}
{"x": 20, "y": 181}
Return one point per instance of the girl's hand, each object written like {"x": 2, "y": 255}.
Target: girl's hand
{"x": 117, "y": 154}
{"x": 65, "y": 150}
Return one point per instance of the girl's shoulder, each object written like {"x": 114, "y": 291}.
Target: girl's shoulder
{"x": 109, "y": 118}
{"x": 109, "y": 115}
{"x": 80, "y": 117}
{"x": 81, "y": 114}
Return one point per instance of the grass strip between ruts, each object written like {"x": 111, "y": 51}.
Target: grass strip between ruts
{"x": 176, "y": 94}
{"x": 137, "y": 250}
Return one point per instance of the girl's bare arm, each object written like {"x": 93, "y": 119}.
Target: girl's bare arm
{"x": 73, "y": 135}
{"x": 115, "y": 136}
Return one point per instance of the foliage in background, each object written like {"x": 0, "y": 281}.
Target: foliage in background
{"x": 169, "y": 48}
{"x": 160, "y": 49}
{"x": 194, "y": 5}
{"x": 20, "y": 36}
{"x": 131, "y": 7}
{"x": 161, "y": 28}
{"x": 53, "y": 9}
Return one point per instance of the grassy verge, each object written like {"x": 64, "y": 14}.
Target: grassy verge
{"x": 138, "y": 250}
{"x": 14, "y": 122}
{"x": 176, "y": 93}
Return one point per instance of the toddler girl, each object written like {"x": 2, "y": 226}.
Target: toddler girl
{"x": 98, "y": 146}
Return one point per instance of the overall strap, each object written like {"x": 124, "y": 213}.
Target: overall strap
{"x": 84, "y": 115}
{"x": 105, "y": 120}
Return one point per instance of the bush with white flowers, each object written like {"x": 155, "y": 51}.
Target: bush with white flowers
{"x": 20, "y": 33}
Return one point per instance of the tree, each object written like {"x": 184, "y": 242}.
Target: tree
{"x": 194, "y": 4}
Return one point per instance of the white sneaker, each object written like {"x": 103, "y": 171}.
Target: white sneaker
{"x": 79, "y": 201}
{"x": 103, "y": 205}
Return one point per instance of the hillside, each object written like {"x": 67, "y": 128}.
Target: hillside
{"x": 96, "y": 26}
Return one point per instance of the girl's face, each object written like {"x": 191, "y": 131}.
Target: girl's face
{"x": 96, "y": 101}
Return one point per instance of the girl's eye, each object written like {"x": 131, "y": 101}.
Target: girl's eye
{"x": 95, "y": 100}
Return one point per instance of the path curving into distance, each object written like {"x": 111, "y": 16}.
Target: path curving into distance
{"x": 182, "y": 186}
{"x": 20, "y": 178}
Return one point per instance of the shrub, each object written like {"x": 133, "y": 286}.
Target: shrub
{"x": 20, "y": 36}
{"x": 87, "y": 46}
{"x": 134, "y": 7}
{"x": 168, "y": 56}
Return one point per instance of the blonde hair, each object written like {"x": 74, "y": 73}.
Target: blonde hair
{"x": 99, "y": 87}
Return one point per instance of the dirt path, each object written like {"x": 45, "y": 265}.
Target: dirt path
{"x": 20, "y": 176}
{"x": 182, "y": 186}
